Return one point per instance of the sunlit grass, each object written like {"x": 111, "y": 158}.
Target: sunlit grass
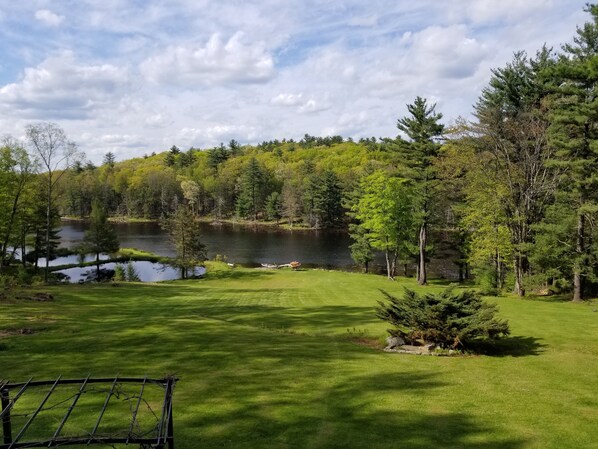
{"x": 268, "y": 358}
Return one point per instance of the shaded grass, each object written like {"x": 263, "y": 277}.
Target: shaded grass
{"x": 265, "y": 360}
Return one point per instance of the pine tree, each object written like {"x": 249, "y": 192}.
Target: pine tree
{"x": 329, "y": 200}
{"x": 574, "y": 132}
{"x": 511, "y": 136}
{"x": 185, "y": 233}
{"x": 109, "y": 159}
{"x": 274, "y": 206}
{"x": 252, "y": 190}
{"x": 423, "y": 129}
{"x": 100, "y": 237}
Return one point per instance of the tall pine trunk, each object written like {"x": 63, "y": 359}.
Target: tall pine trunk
{"x": 422, "y": 278}
{"x": 579, "y": 249}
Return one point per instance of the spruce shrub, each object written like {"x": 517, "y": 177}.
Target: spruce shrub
{"x": 448, "y": 319}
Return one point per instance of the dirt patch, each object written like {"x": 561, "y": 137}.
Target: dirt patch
{"x": 367, "y": 342}
{"x": 19, "y": 331}
{"x": 37, "y": 296}
{"x": 12, "y": 296}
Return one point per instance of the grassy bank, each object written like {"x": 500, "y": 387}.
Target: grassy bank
{"x": 282, "y": 359}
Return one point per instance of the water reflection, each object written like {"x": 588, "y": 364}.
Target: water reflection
{"x": 72, "y": 259}
{"x": 147, "y": 272}
{"x": 242, "y": 245}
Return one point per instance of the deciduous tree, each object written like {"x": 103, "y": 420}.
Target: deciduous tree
{"x": 56, "y": 153}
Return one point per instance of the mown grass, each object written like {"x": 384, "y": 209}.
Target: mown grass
{"x": 272, "y": 359}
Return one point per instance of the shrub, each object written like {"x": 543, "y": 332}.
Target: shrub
{"x": 119, "y": 273}
{"x": 132, "y": 275}
{"x": 447, "y": 319}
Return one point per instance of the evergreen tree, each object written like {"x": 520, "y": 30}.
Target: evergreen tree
{"x": 217, "y": 156}
{"x": 362, "y": 251}
{"x": 234, "y": 147}
{"x": 100, "y": 237}
{"x": 42, "y": 241}
{"x": 185, "y": 233}
{"x": 423, "y": 129}
{"x": 131, "y": 273}
{"x": 574, "y": 132}
{"x": 274, "y": 206}
{"x": 109, "y": 159}
{"x": 120, "y": 273}
{"x": 329, "y": 200}
{"x": 512, "y": 130}
{"x": 251, "y": 190}
{"x": 448, "y": 319}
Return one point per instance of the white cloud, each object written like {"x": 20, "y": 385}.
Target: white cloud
{"x": 445, "y": 52}
{"x": 197, "y": 73}
{"x": 485, "y": 11}
{"x": 159, "y": 120}
{"x": 126, "y": 140}
{"x": 60, "y": 88}
{"x": 48, "y": 18}
{"x": 312, "y": 106}
{"x": 216, "y": 62}
{"x": 212, "y": 135}
{"x": 287, "y": 99}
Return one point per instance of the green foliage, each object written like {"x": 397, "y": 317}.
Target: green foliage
{"x": 109, "y": 159}
{"x": 131, "y": 273}
{"x": 16, "y": 182}
{"x": 120, "y": 273}
{"x": 420, "y": 153}
{"x": 447, "y": 319}
{"x": 185, "y": 234}
{"x": 100, "y": 237}
{"x": 274, "y": 206}
{"x": 574, "y": 132}
{"x": 362, "y": 251}
{"x": 385, "y": 214}
{"x": 252, "y": 189}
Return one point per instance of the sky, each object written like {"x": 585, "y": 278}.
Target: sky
{"x": 138, "y": 76}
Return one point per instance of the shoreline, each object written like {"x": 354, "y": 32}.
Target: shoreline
{"x": 281, "y": 226}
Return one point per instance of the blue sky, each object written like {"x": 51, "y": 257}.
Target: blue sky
{"x": 134, "y": 77}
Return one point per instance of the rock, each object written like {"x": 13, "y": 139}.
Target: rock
{"x": 393, "y": 342}
{"x": 428, "y": 347}
{"x": 42, "y": 296}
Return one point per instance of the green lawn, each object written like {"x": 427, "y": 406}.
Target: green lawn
{"x": 270, "y": 359}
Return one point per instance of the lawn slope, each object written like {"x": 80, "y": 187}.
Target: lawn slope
{"x": 275, "y": 359}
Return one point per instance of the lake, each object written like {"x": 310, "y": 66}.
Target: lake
{"x": 242, "y": 245}
{"x": 252, "y": 246}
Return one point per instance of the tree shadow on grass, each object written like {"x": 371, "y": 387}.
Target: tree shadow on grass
{"x": 353, "y": 413}
{"x": 263, "y": 316}
{"x": 517, "y": 346}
